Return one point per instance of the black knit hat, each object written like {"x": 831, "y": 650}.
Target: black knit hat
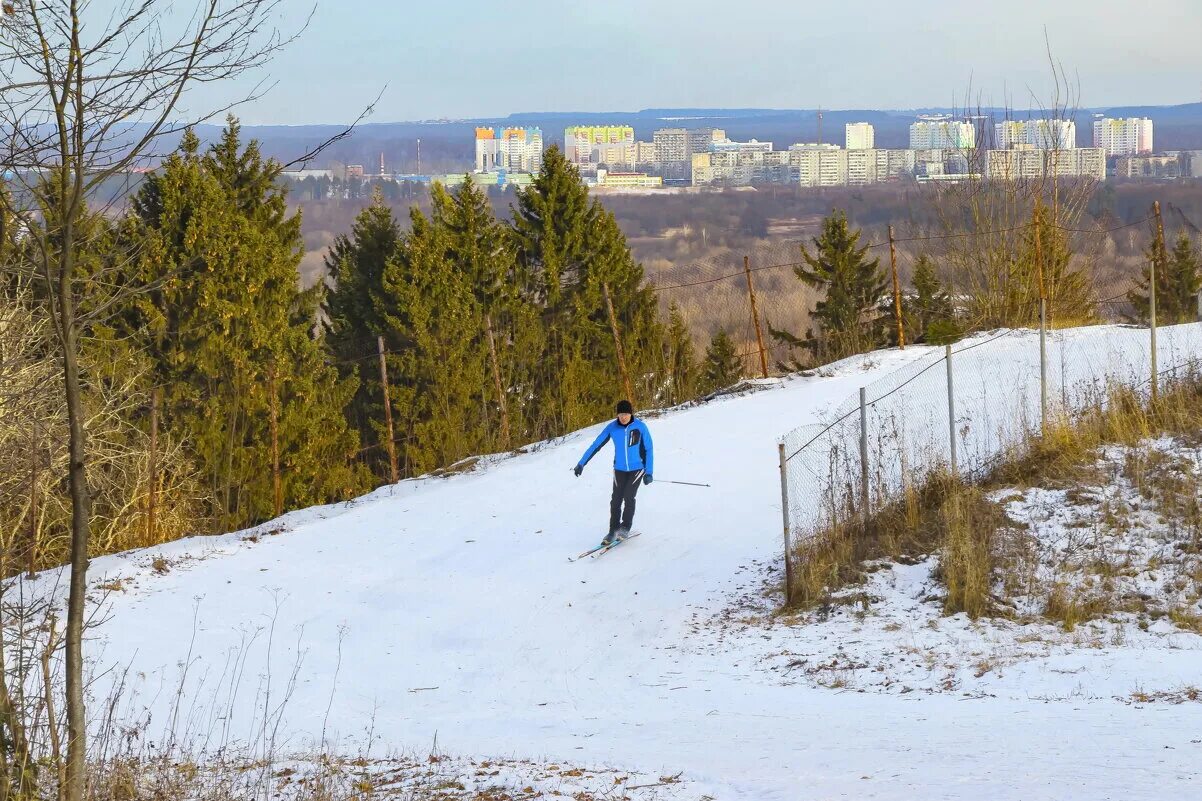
{"x": 624, "y": 407}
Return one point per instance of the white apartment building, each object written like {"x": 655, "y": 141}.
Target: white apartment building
{"x": 859, "y": 136}
{"x": 892, "y": 164}
{"x": 587, "y": 146}
{"x": 941, "y": 133}
{"x": 1123, "y": 137}
{"x": 1168, "y": 166}
{"x": 1040, "y": 134}
{"x": 674, "y": 149}
{"x": 672, "y": 154}
{"x": 741, "y": 168}
{"x": 861, "y": 167}
{"x": 754, "y": 146}
{"x": 819, "y": 166}
{"x": 645, "y": 153}
{"x": 1026, "y": 162}
{"x": 510, "y": 149}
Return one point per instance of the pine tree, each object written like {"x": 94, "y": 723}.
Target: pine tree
{"x": 723, "y": 367}
{"x": 231, "y": 336}
{"x": 929, "y": 313}
{"x": 570, "y": 252}
{"x": 1068, "y": 291}
{"x": 1178, "y": 282}
{"x": 1185, "y": 281}
{"x": 355, "y": 266}
{"x": 679, "y": 359}
{"x": 482, "y": 250}
{"x": 852, "y": 288}
{"x": 435, "y": 324}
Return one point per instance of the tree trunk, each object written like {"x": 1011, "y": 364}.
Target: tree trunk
{"x": 80, "y": 527}
{"x": 496, "y": 377}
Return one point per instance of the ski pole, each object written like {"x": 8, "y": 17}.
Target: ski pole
{"x": 686, "y": 483}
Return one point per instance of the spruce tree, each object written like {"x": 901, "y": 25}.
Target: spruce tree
{"x": 928, "y": 313}
{"x": 1178, "y": 281}
{"x": 852, "y": 287}
{"x": 355, "y": 268}
{"x": 482, "y": 250}
{"x": 1067, "y": 289}
{"x": 722, "y": 367}
{"x": 680, "y": 363}
{"x": 231, "y": 336}
{"x": 570, "y": 252}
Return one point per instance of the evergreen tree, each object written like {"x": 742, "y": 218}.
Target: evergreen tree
{"x": 1178, "y": 281}
{"x": 723, "y": 367}
{"x": 434, "y": 324}
{"x": 483, "y": 251}
{"x": 355, "y": 266}
{"x": 852, "y": 288}
{"x": 231, "y": 336}
{"x": 1068, "y": 290}
{"x": 570, "y": 253}
{"x": 679, "y": 359}
{"x": 928, "y": 313}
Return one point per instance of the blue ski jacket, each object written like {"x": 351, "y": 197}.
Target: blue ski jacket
{"x": 632, "y": 446}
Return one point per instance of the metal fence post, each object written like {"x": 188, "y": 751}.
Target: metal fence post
{"x": 784, "y": 510}
{"x": 864, "y": 452}
{"x": 951, "y": 408}
{"x": 1043, "y": 366}
{"x": 1152, "y": 329}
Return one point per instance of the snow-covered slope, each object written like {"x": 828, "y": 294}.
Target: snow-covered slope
{"x": 449, "y": 607}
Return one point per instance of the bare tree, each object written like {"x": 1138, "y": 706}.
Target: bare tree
{"x": 1006, "y": 231}
{"x": 87, "y": 93}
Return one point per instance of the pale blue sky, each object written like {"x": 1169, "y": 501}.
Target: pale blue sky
{"x": 474, "y": 58}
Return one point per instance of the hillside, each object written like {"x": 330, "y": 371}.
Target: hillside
{"x": 446, "y": 608}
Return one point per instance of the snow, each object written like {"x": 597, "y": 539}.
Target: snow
{"x": 447, "y": 608}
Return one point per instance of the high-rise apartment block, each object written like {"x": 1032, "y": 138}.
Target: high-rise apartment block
{"x": 1027, "y": 162}
{"x": 1039, "y": 134}
{"x": 590, "y": 145}
{"x": 510, "y": 149}
{"x": 942, "y": 133}
{"x": 1123, "y": 137}
{"x": 859, "y": 136}
{"x": 674, "y": 149}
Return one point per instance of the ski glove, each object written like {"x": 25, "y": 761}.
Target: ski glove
{"x": 578, "y": 469}
{"x": 646, "y": 478}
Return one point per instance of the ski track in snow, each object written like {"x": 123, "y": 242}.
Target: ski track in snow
{"x": 449, "y": 609}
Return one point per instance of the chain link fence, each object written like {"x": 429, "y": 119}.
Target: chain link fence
{"x": 962, "y": 408}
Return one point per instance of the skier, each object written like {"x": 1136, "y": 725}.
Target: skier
{"x": 634, "y": 459}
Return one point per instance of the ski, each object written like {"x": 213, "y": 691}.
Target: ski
{"x": 589, "y": 552}
{"x": 603, "y": 547}
{"x": 606, "y": 548}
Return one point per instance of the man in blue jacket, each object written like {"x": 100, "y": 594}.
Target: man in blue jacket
{"x": 634, "y": 459}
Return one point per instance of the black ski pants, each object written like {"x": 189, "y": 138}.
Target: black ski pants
{"x": 621, "y": 504}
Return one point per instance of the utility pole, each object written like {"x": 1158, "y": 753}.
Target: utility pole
{"x": 755, "y": 315}
{"x": 387, "y": 412}
{"x": 897, "y": 305}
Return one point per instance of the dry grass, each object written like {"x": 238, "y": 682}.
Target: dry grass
{"x": 983, "y": 555}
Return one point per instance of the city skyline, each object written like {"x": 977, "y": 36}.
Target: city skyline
{"x": 676, "y": 54}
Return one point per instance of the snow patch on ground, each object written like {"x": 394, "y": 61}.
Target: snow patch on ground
{"x": 1110, "y": 545}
